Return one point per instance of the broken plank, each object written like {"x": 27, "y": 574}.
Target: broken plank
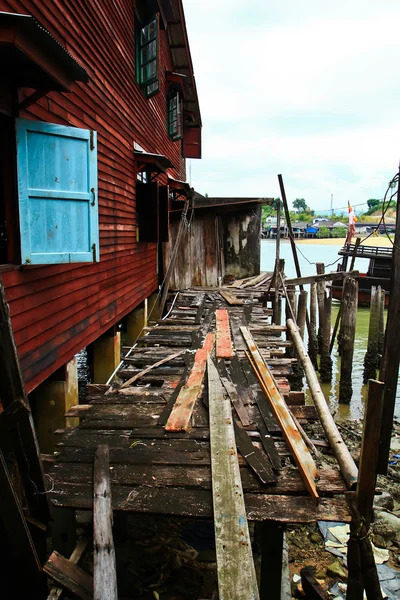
{"x": 233, "y": 394}
{"x": 236, "y": 572}
{"x": 293, "y": 438}
{"x": 179, "y": 418}
{"x": 75, "y": 557}
{"x": 255, "y": 458}
{"x": 70, "y": 576}
{"x": 223, "y": 337}
{"x": 231, "y": 299}
{"x": 104, "y": 566}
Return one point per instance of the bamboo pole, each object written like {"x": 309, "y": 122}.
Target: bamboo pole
{"x": 349, "y": 316}
{"x": 339, "y": 448}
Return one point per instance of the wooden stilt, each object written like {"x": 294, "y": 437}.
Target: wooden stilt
{"x": 276, "y": 318}
{"x": 325, "y": 367}
{"x": 272, "y": 545}
{"x": 321, "y": 287}
{"x": 371, "y": 361}
{"x": 349, "y": 316}
{"x": 313, "y": 339}
{"x": 301, "y": 312}
{"x": 381, "y": 324}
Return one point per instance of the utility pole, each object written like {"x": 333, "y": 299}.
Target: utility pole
{"x": 332, "y": 205}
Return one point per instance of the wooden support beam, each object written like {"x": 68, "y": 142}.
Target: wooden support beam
{"x": 334, "y": 276}
{"x": 272, "y": 548}
{"x": 148, "y": 369}
{"x": 179, "y": 419}
{"x": 343, "y": 456}
{"x": 293, "y": 438}
{"x": 348, "y": 329}
{"x": 104, "y": 571}
{"x": 22, "y": 430}
{"x": 223, "y": 338}
{"x": 236, "y": 573}
{"x": 70, "y": 576}
{"x": 20, "y": 547}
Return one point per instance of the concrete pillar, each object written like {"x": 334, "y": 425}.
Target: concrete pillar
{"x": 135, "y": 322}
{"x": 106, "y": 352}
{"x": 52, "y": 399}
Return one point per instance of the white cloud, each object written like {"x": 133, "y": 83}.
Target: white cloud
{"x": 303, "y": 88}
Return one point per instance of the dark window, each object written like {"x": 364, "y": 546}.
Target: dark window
{"x": 147, "y": 50}
{"x": 152, "y": 212}
{"x": 175, "y": 117}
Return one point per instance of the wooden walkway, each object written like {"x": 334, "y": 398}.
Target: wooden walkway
{"x": 167, "y": 472}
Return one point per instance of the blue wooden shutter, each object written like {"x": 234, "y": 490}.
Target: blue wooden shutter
{"x": 57, "y": 188}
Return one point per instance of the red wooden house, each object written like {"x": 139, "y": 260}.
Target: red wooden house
{"x": 98, "y": 111}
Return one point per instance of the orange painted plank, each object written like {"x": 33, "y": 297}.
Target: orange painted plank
{"x": 224, "y": 342}
{"x": 179, "y": 418}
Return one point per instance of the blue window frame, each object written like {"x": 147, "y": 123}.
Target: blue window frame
{"x": 57, "y": 189}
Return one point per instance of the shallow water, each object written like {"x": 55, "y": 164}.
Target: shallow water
{"x": 314, "y": 251}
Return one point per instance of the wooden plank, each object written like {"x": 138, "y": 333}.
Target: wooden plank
{"x": 187, "y": 502}
{"x": 179, "y": 418}
{"x": 236, "y": 572}
{"x": 104, "y": 566}
{"x": 288, "y": 482}
{"x": 70, "y": 576}
{"x": 223, "y": 337}
{"x": 334, "y": 276}
{"x": 293, "y": 438}
{"x": 231, "y": 299}
{"x": 255, "y": 458}
{"x": 233, "y": 394}
{"x": 56, "y": 592}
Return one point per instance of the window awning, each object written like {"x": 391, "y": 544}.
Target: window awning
{"x": 182, "y": 187}
{"x": 152, "y": 162}
{"x": 31, "y": 57}
{"x": 177, "y": 81}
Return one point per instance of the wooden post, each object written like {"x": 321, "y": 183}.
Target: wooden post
{"x": 360, "y": 550}
{"x": 291, "y": 299}
{"x": 339, "y": 448}
{"x": 381, "y": 325}
{"x": 301, "y": 312}
{"x": 17, "y": 411}
{"x": 325, "y": 365}
{"x": 294, "y": 249}
{"x": 349, "y": 316}
{"x": 272, "y": 545}
{"x": 106, "y": 355}
{"x": 391, "y": 354}
{"x": 104, "y": 568}
{"x": 313, "y": 339}
{"x": 339, "y": 314}
{"x": 321, "y": 287}
{"x": 371, "y": 362}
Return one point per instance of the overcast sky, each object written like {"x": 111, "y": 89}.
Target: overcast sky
{"x": 305, "y": 88}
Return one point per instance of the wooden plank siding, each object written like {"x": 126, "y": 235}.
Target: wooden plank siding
{"x": 57, "y": 310}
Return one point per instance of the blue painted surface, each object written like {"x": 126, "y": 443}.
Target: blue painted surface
{"x": 57, "y": 187}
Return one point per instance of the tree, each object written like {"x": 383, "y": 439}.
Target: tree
{"x": 372, "y": 203}
{"x": 300, "y": 205}
{"x": 323, "y": 232}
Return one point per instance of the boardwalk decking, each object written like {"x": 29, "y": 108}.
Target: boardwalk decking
{"x": 153, "y": 470}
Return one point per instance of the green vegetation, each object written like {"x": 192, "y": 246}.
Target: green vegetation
{"x": 323, "y": 232}
{"x": 339, "y": 232}
{"x": 376, "y": 206}
{"x": 300, "y": 205}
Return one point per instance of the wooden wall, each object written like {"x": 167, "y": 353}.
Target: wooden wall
{"x": 57, "y": 310}
{"x": 219, "y": 243}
